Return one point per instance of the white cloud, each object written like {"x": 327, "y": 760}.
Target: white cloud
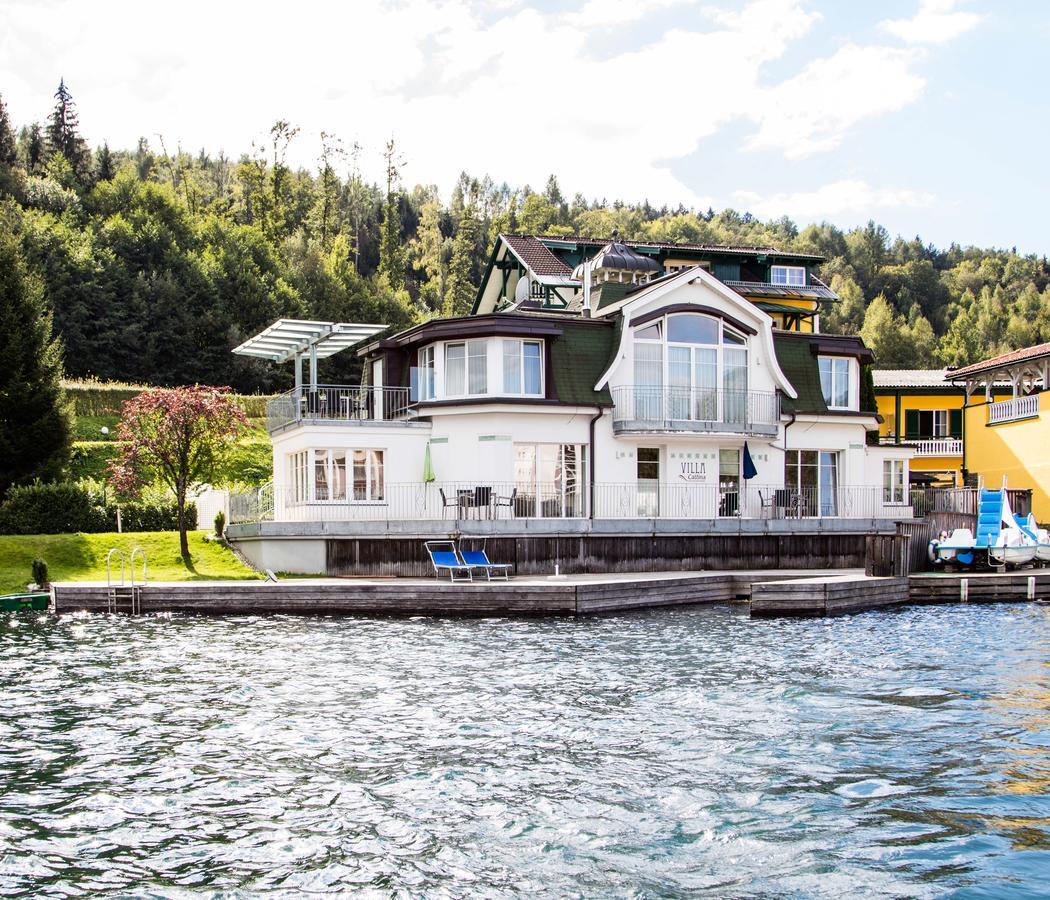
{"x": 935, "y": 22}
{"x": 513, "y": 91}
{"x": 813, "y": 111}
{"x": 848, "y": 196}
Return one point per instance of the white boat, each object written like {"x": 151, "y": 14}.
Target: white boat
{"x": 952, "y": 549}
{"x": 1042, "y": 538}
{"x": 1013, "y": 547}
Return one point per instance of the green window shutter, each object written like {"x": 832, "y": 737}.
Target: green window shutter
{"x": 911, "y": 424}
{"x": 955, "y": 423}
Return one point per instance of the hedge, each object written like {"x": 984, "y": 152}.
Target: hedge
{"x": 90, "y": 459}
{"x": 98, "y": 398}
{"x": 65, "y": 508}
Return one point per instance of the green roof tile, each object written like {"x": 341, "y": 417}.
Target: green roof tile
{"x": 579, "y": 358}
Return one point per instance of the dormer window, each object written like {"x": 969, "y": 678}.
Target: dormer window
{"x": 834, "y": 381}
{"x": 792, "y": 276}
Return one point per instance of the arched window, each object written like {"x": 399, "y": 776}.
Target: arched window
{"x": 690, "y": 366}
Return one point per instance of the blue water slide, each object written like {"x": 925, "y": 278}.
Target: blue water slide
{"x": 989, "y": 518}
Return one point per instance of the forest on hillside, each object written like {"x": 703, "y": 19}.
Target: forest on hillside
{"x": 157, "y": 261}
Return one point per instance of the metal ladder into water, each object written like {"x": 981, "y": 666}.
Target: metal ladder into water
{"x": 132, "y": 593}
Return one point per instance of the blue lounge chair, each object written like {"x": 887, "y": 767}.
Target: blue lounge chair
{"x": 479, "y": 559}
{"x": 443, "y": 557}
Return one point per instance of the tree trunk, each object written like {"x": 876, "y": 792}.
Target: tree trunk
{"x": 184, "y": 543}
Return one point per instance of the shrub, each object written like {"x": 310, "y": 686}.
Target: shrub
{"x": 65, "y": 508}
{"x": 220, "y": 523}
{"x": 90, "y": 459}
{"x": 150, "y": 515}
{"x": 51, "y": 509}
{"x": 40, "y": 573}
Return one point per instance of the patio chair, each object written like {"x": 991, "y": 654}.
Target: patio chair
{"x": 443, "y": 557}
{"x": 454, "y": 503}
{"x": 508, "y": 501}
{"x": 479, "y": 559}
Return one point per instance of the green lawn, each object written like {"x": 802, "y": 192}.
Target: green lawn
{"x": 82, "y": 557}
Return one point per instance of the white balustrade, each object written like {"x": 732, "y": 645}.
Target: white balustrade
{"x": 1014, "y": 409}
{"x": 940, "y": 447}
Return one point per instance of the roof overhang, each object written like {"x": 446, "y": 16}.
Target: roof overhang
{"x": 286, "y": 339}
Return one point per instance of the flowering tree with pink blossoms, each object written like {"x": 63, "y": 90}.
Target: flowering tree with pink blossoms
{"x": 179, "y": 437}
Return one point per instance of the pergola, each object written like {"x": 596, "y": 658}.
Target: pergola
{"x": 1024, "y": 370}
{"x": 293, "y": 339}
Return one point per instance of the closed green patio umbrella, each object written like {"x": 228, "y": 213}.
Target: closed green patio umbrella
{"x": 428, "y": 466}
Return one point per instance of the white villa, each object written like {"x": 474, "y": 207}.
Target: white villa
{"x": 597, "y": 386}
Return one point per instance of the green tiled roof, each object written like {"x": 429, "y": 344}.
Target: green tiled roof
{"x": 579, "y": 358}
{"x": 799, "y": 363}
{"x": 608, "y": 293}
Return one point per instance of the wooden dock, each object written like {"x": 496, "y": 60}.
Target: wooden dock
{"x": 825, "y": 596}
{"x": 573, "y": 595}
{"x": 771, "y": 593}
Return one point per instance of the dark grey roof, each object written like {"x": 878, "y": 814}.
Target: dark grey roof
{"x": 616, "y": 255}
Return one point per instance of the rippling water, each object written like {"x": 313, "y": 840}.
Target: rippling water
{"x": 667, "y": 754}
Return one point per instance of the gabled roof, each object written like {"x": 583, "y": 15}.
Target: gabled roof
{"x": 535, "y": 256}
{"x": 797, "y": 354}
{"x": 1000, "y": 362}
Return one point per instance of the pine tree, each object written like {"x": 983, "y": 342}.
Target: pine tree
{"x": 35, "y": 419}
{"x": 105, "y": 165}
{"x": 391, "y": 253}
{"x": 63, "y": 134}
{"x": 8, "y": 152}
{"x": 460, "y": 288}
{"x": 33, "y": 148}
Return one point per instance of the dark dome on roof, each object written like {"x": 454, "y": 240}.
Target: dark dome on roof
{"x": 615, "y": 255}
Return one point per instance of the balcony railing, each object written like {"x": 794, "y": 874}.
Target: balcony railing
{"x": 436, "y": 501}
{"x": 940, "y": 447}
{"x": 1012, "y": 410}
{"x": 337, "y": 403}
{"x": 695, "y": 410}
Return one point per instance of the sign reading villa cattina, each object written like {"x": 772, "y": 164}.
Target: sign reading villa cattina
{"x": 693, "y": 471}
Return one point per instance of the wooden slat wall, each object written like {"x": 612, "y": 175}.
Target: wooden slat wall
{"x": 406, "y": 557}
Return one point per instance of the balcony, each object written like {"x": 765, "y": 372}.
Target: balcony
{"x": 940, "y": 447}
{"x": 695, "y": 410}
{"x": 337, "y": 404}
{"x": 1013, "y": 410}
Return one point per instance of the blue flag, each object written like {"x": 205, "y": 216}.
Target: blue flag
{"x": 749, "y": 464}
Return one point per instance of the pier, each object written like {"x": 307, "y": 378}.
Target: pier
{"x": 769, "y": 593}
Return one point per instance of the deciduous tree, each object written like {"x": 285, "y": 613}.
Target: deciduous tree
{"x": 179, "y": 437}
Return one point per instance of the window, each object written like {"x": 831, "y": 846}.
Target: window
{"x": 792, "y": 275}
{"x": 811, "y": 477}
{"x": 690, "y": 367}
{"x": 425, "y": 375}
{"x": 893, "y": 481}
{"x": 364, "y": 467}
{"x": 923, "y": 424}
{"x": 522, "y": 368}
{"x": 834, "y": 381}
{"x": 299, "y": 476}
{"x": 550, "y": 480}
{"x": 466, "y": 368}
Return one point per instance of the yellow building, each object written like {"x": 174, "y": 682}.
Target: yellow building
{"x": 920, "y": 409}
{"x": 1009, "y": 437}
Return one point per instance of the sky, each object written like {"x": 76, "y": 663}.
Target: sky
{"x": 930, "y": 116}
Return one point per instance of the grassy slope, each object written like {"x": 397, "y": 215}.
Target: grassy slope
{"x": 82, "y": 557}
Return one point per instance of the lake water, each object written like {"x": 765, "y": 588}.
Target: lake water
{"x": 901, "y": 753}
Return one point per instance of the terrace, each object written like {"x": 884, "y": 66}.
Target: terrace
{"x": 642, "y": 409}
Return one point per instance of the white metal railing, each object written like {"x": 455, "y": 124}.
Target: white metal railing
{"x": 1013, "y": 409}
{"x": 418, "y": 501}
{"x": 337, "y": 403}
{"x": 662, "y": 408}
{"x": 940, "y": 447}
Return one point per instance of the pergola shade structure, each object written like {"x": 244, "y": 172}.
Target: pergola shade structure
{"x": 292, "y": 339}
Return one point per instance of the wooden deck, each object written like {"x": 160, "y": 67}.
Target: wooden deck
{"x": 771, "y": 593}
{"x": 573, "y": 595}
